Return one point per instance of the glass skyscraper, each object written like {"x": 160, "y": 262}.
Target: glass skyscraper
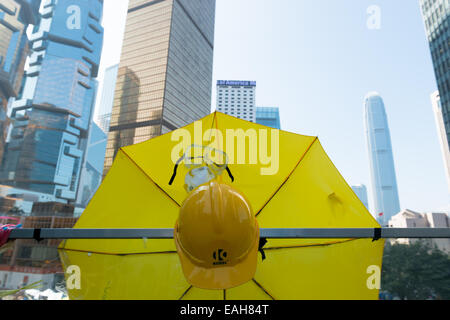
{"x": 269, "y": 117}
{"x": 103, "y": 114}
{"x": 436, "y": 16}
{"x": 165, "y": 73}
{"x": 381, "y": 160}
{"x": 92, "y": 169}
{"x": 15, "y": 16}
{"x": 361, "y": 193}
{"x": 438, "y": 116}
{"x": 52, "y": 116}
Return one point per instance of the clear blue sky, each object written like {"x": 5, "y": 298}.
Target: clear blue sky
{"x": 316, "y": 60}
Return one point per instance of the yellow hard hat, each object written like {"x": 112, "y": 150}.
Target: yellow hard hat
{"x": 217, "y": 237}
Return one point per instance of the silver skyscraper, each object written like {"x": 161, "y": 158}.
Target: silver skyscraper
{"x": 382, "y": 170}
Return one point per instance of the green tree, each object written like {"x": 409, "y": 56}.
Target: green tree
{"x": 416, "y": 272}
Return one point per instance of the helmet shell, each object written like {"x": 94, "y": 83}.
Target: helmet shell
{"x": 217, "y": 230}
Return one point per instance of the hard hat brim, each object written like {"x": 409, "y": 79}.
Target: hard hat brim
{"x": 218, "y": 278}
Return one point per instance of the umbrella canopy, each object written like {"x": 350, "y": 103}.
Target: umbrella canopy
{"x": 290, "y": 183}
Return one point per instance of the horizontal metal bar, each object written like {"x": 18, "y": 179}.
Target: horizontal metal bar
{"x": 334, "y": 233}
{"x": 93, "y": 234}
{"x": 298, "y": 233}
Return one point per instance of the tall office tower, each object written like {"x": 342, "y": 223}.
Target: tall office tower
{"x": 15, "y": 16}
{"x": 436, "y": 16}
{"x": 52, "y": 116}
{"x": 361, "y": 193}
{"x": 439, "y": 117}
{"x": 382, "y": 170}
{"x": 165, "y": 73}
{"x": 92, "y": 169}
{"x": 103, "y": 114}
{"x": 237, "y": 98}
{"x": 268, "y": 116}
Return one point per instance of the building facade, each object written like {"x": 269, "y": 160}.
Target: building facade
{"x": 23, "y": 200}
{"x": 381, "y": 160}
{"x": 52, "y": 116}
{"x": 165, "y": 73}
{"x": 268, "y": 116}
{"x": 29, "y": 261}
{"x": 237, "y": 98}
{"x": 103, "y": 112}
{"x": 15, "y": 16}
{"x": 436, "y": 16}
{"x": 411, "y": 219}
{"x": 439, "y": 117}
{"x": 361, "y": 193}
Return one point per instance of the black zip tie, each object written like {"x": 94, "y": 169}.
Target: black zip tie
{"x": 262, "y": 243}
{"x": 376, "y": 234}
{"x": 229, "y": 173}
{"x": 174, "y": 174}
{"x": 37, "y": 235}
{"x": 175, "y": 170}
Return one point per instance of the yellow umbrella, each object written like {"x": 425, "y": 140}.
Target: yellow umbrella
{"x": 290, "y": 183}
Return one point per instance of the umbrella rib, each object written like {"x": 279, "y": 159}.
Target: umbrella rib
{"x": 184, "y": 293}
{"x": 289, "y": 175}
{"x": 262, "y": 288}
{"x": 220, "y": 147}
{"x": 118, "y": 254}
{"x": 311, "y": 245}
{"x": 162, "y": 190}
{"x": 212, "y": 126}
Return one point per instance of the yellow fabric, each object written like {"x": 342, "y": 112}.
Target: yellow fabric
{"x": 307, "y": 191}
{"x": 136, "y": 277}
{"x": 337, "y": 271}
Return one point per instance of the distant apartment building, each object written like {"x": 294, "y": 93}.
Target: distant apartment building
{"x": 361, "y": 193}
{"x": 237, "y": 99}
{"x": 29, "y": 261}
{"x": 52, "y": 115}
{"x": 164, "y": 79}
{"x": 443, "y": 140}
{"x": 15, "y": 16}
{"x": 48, "y": 209}
{"x": 411, "y": 219}
{"x": 268, "y": 116}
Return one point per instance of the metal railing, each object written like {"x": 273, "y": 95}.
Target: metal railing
{"x": 288, "y": 233}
